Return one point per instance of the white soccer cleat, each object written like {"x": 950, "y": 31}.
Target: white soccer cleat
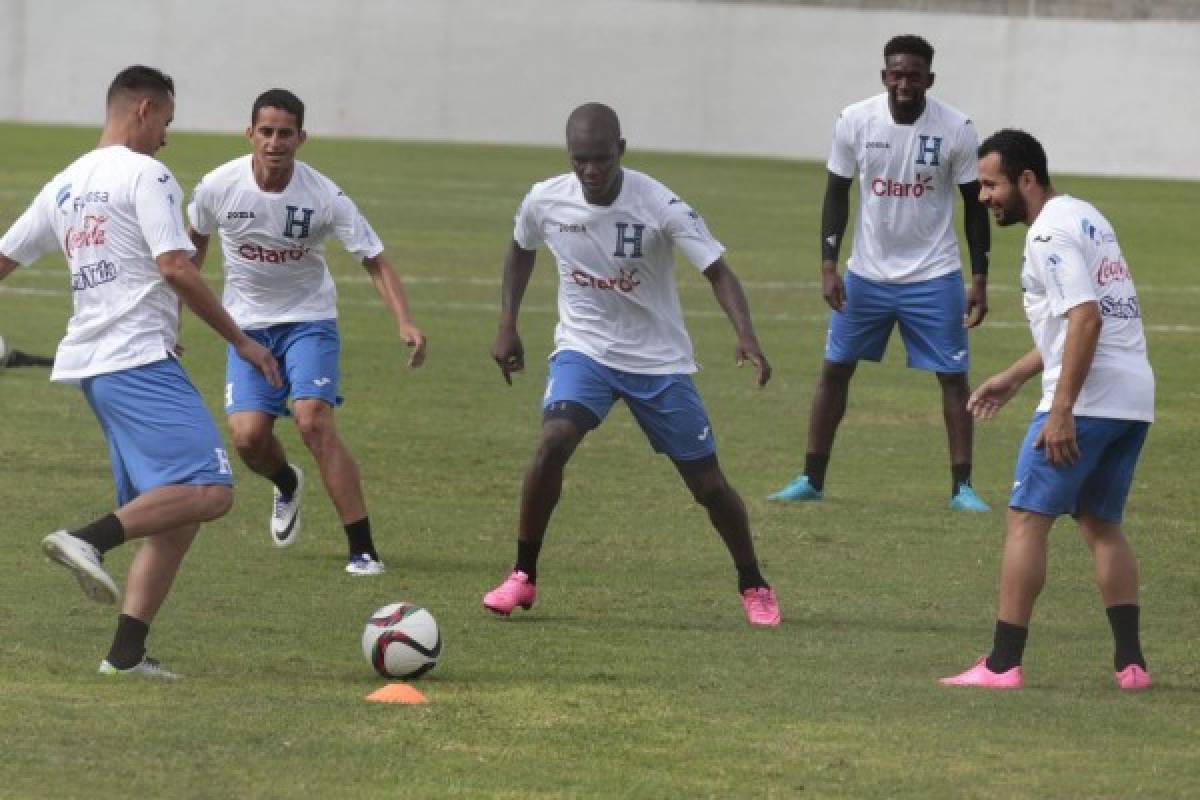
{"x": 84, "y": 560}
{"x": 285, "y": 514}
{"x": 363, "y": 564}
{"x": 146, "y": 668}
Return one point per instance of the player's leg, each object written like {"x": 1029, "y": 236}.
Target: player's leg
{"x": 859, "y": 331}
{"x": 930, "y": 315}
{"x": 578, "y": 396}
{"x": 1101, "y": 506}
{"x": 251, "y": 407}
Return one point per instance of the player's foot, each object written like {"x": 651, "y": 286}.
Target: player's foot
{"x": 965, "y": 499}
{"x": 515, "y": 591}
{"x": 1133, "y": 678}
{"x": 762, "y": 607}
{"x": 980, "y": 675}
{"x": 798, "y": 491}
{"x": 363, "y": 564}
{"x": 84, "y": 560}
{"x": 146, "y": 668}
{"x": 285, "y": 513}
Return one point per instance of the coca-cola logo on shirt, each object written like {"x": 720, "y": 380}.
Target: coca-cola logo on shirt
{"x": 1111, "y": 270}
{"x": 90, "y": 234}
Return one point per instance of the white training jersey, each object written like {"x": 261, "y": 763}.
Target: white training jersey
{"x": 111, "y": 212}
{"x": 617, "y": 299}
{"x": 908, "y": 179}
{"x": 274, "y": 242}
{"x": 1072, "y": 257}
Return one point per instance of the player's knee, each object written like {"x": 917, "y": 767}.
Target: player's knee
{"x": 214, "y": 501}
{"x": 249, "y": 439}
{"x": 833, "y": 372}
{"x": 314, "y": 421}
{"x": 953, "y": 381}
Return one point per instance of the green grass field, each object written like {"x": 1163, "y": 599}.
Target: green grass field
{"x": 636, "y": 674}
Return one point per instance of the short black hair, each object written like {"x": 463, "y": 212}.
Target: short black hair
{"x": 911, "y": 45}
{"x": 139, "y": 78}
{"x": 1018, "y": 152}
{"x": 281, "y": 99}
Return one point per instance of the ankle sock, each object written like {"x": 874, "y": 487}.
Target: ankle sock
{"x": 104, "y": 534}
{"x": 1008, "y": 646}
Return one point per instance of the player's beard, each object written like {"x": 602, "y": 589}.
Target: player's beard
{"x": 1012, "y": 211}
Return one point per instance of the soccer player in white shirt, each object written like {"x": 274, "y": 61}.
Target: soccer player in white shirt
{"x": 913, "y": 155}
{"x": 620, "y": 336}
{"x": 116, "y": 214}
{"x": 1079, "y": 454}
{"x": 273, "y": 214}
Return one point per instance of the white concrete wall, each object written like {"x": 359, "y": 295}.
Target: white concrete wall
{"x": 1105, "y": 97}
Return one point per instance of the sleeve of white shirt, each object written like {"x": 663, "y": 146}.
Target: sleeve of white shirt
{"x": 353, "y": 230}
{"x": 1068, "y": 282}
{"x": 158, "y": 201}
{"x": 202, "y": 210}
{"x": 842, "y": 159}
{"x": 687, "y": 230}
{"x": 527, "y": 231}
{"x": 32, "y": 235}
{"x": 966, "y": 158}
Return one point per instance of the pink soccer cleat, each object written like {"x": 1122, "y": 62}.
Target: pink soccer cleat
{"x": 762, "y": 608}
{"x": 980, "y": 675}
{"x": 1133, "y": 678}
{"x": 515, "y": 591}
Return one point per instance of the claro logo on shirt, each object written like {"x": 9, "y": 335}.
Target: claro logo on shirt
{"x": 254, "y": 252}
{"x": 886, "y": 187}
{"x": 626, "y": 281}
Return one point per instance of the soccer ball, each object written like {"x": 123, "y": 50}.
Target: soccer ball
{"x": 402, "y": 641}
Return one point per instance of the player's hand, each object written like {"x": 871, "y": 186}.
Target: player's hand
{"x": 178, "y": 349}
{"x": 261, "y": 358}
{"x": 991, "y": 396}
{"x": 1057, "y": 438}
{"x": 977, "y": 306}
{"x": 508, "y": 353}
{"x": 832, "y": 288}
{"x": 748, "y": 350}
{"x": 414, "y": 338}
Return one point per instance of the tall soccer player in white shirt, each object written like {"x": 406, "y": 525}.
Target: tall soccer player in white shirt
{"x": 913, "y": 155}
{"x": 1097, "y": 403}
{"x": 116, "y": 215}
{"x": 273, "y": 214}
{"x": 620, "y": 336}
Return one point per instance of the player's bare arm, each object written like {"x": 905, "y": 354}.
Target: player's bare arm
{"x": 835, "y": 215}
{"x": 7, "y": 265}
{"x": 200, "y": 242}
{"x": 979, "y": 243}
{"x": 507, "y": 350}
{"x": 1058, "y": 433}
{"x": 391, "y": 291}
{"x": 728, "y": 291}
{"x": 181, "y": 274}
{"x": 997, "y": 390}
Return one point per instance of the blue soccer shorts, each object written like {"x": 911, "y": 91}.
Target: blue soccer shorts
{"x": 667, "y": 407}
{"x": 1097, "y": 484}
{"x": 930, "y": 315}
{"x": 158, "y": 431}
{"x": 308, "y": 355}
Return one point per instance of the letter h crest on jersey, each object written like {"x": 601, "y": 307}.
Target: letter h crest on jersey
{"x": 298, "y": 222}
{"x": 624, "y": 237}
{"x": 931, "y": 147}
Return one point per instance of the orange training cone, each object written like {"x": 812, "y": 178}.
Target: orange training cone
{"x": 397, "y": 693}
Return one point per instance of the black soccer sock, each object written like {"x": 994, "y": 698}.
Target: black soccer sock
{"x": 1124, "y": 622}
{"x": 129, "y": 643}
{"x": 815, "y": 465}
{"x": 1008, "y": 646}
{"x": 959, "y": 474}
{"x": 104, "y": 534}
{"x": 527, "y": 558}
{"x": 285, "y": 481}
{"x": 19, "y": 358}
{"x": 749, "y": 577}
{"x": 358, "y": 538}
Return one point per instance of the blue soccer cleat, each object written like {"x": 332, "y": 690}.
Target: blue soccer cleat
{"x": 965, "y": 499}
{"x": 798, "y": 491}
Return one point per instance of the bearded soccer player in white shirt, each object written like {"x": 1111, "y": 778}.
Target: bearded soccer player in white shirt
{"x": 116, "y": 214}
{"x": 1097, "y": 404}
{"x": 273, "y": 214}
{"x": 913, "y": 155}
{"x": 620, "y": 336}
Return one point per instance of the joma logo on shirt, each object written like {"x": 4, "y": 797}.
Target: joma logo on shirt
{"x": 625, "y": 282}
{"x": 240, "y": 215}
{"x": 571, "y": 227}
